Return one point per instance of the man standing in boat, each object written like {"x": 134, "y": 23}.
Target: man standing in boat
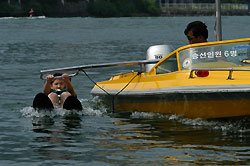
{"x": 196, "y": 32}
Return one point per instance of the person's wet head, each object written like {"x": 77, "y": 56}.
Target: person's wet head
{"x": 196, "y": 32}
{"x": 58, "y": 82}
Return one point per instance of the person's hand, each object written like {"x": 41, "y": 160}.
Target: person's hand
{"x": 50, "y": 78}
{"x": 65, "y": 77}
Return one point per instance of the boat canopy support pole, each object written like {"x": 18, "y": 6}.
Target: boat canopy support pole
{"x": 142, "y": 67}
{"x": 77, "y": 69}
{"x": 218, "y": 21}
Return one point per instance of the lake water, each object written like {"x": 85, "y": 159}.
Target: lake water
{"x": 96, "y": 136}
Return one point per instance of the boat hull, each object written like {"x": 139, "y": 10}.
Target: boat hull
{"x": 205, "y": 105}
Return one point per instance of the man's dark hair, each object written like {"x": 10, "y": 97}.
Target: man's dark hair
{"x": 198, "y": 28}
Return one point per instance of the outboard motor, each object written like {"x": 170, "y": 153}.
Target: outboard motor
{"x": 157, "y": 52}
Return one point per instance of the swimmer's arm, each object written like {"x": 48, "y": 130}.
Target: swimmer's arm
{"x": 47, "y": 85}
{"x": 69, "y": 85}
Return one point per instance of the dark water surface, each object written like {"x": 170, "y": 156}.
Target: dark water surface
{"x": 96, "y": 136}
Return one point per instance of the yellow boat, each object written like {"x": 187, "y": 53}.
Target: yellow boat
{"x": 206, "y": 80}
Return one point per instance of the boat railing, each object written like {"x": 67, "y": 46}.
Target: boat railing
{"x": 77, "y": 69}
{"x": 230, "y": 75}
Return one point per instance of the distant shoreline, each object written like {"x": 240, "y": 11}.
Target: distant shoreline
{"x": 137, "y": 15}
{"x": 83, "y": 13}
{"x": 169, "y": 14}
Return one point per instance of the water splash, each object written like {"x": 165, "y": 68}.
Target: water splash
{"x": 148, "y": 115}
{"x": 96, "y": 107}
{"x": 34, "y": 17}
{"x": 92, "y": 107}
{"x": 30, "y": 112}
{"x": 226, "y": 126}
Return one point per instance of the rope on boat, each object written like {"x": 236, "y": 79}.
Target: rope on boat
{"x": 95, "y": 83}
{"x": 138, "y": 73}
{"x": 113, "y": 96}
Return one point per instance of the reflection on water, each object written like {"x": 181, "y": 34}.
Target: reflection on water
{"x": 175, "y": 143}
{"x": 137, "y": 138}
{"x": 56, "y": 141}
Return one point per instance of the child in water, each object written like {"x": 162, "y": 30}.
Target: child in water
{"x": 58, "y": 86}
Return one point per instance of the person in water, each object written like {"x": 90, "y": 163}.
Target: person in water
{"x": 196, "y": 32}
{"x": 58, "y": 88}
{"x": 31, "y": 12}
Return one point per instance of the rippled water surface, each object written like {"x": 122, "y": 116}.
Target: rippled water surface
{"x": 96, "y": 136}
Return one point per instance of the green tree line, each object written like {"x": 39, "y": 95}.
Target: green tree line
{"x": 98, "y": 8}
{"x": 121, "y": 8}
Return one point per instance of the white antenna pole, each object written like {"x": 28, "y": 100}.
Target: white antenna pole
{"x": 218, "y": 21}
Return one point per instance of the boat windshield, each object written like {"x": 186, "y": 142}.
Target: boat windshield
{"x": 216, "y": 56}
